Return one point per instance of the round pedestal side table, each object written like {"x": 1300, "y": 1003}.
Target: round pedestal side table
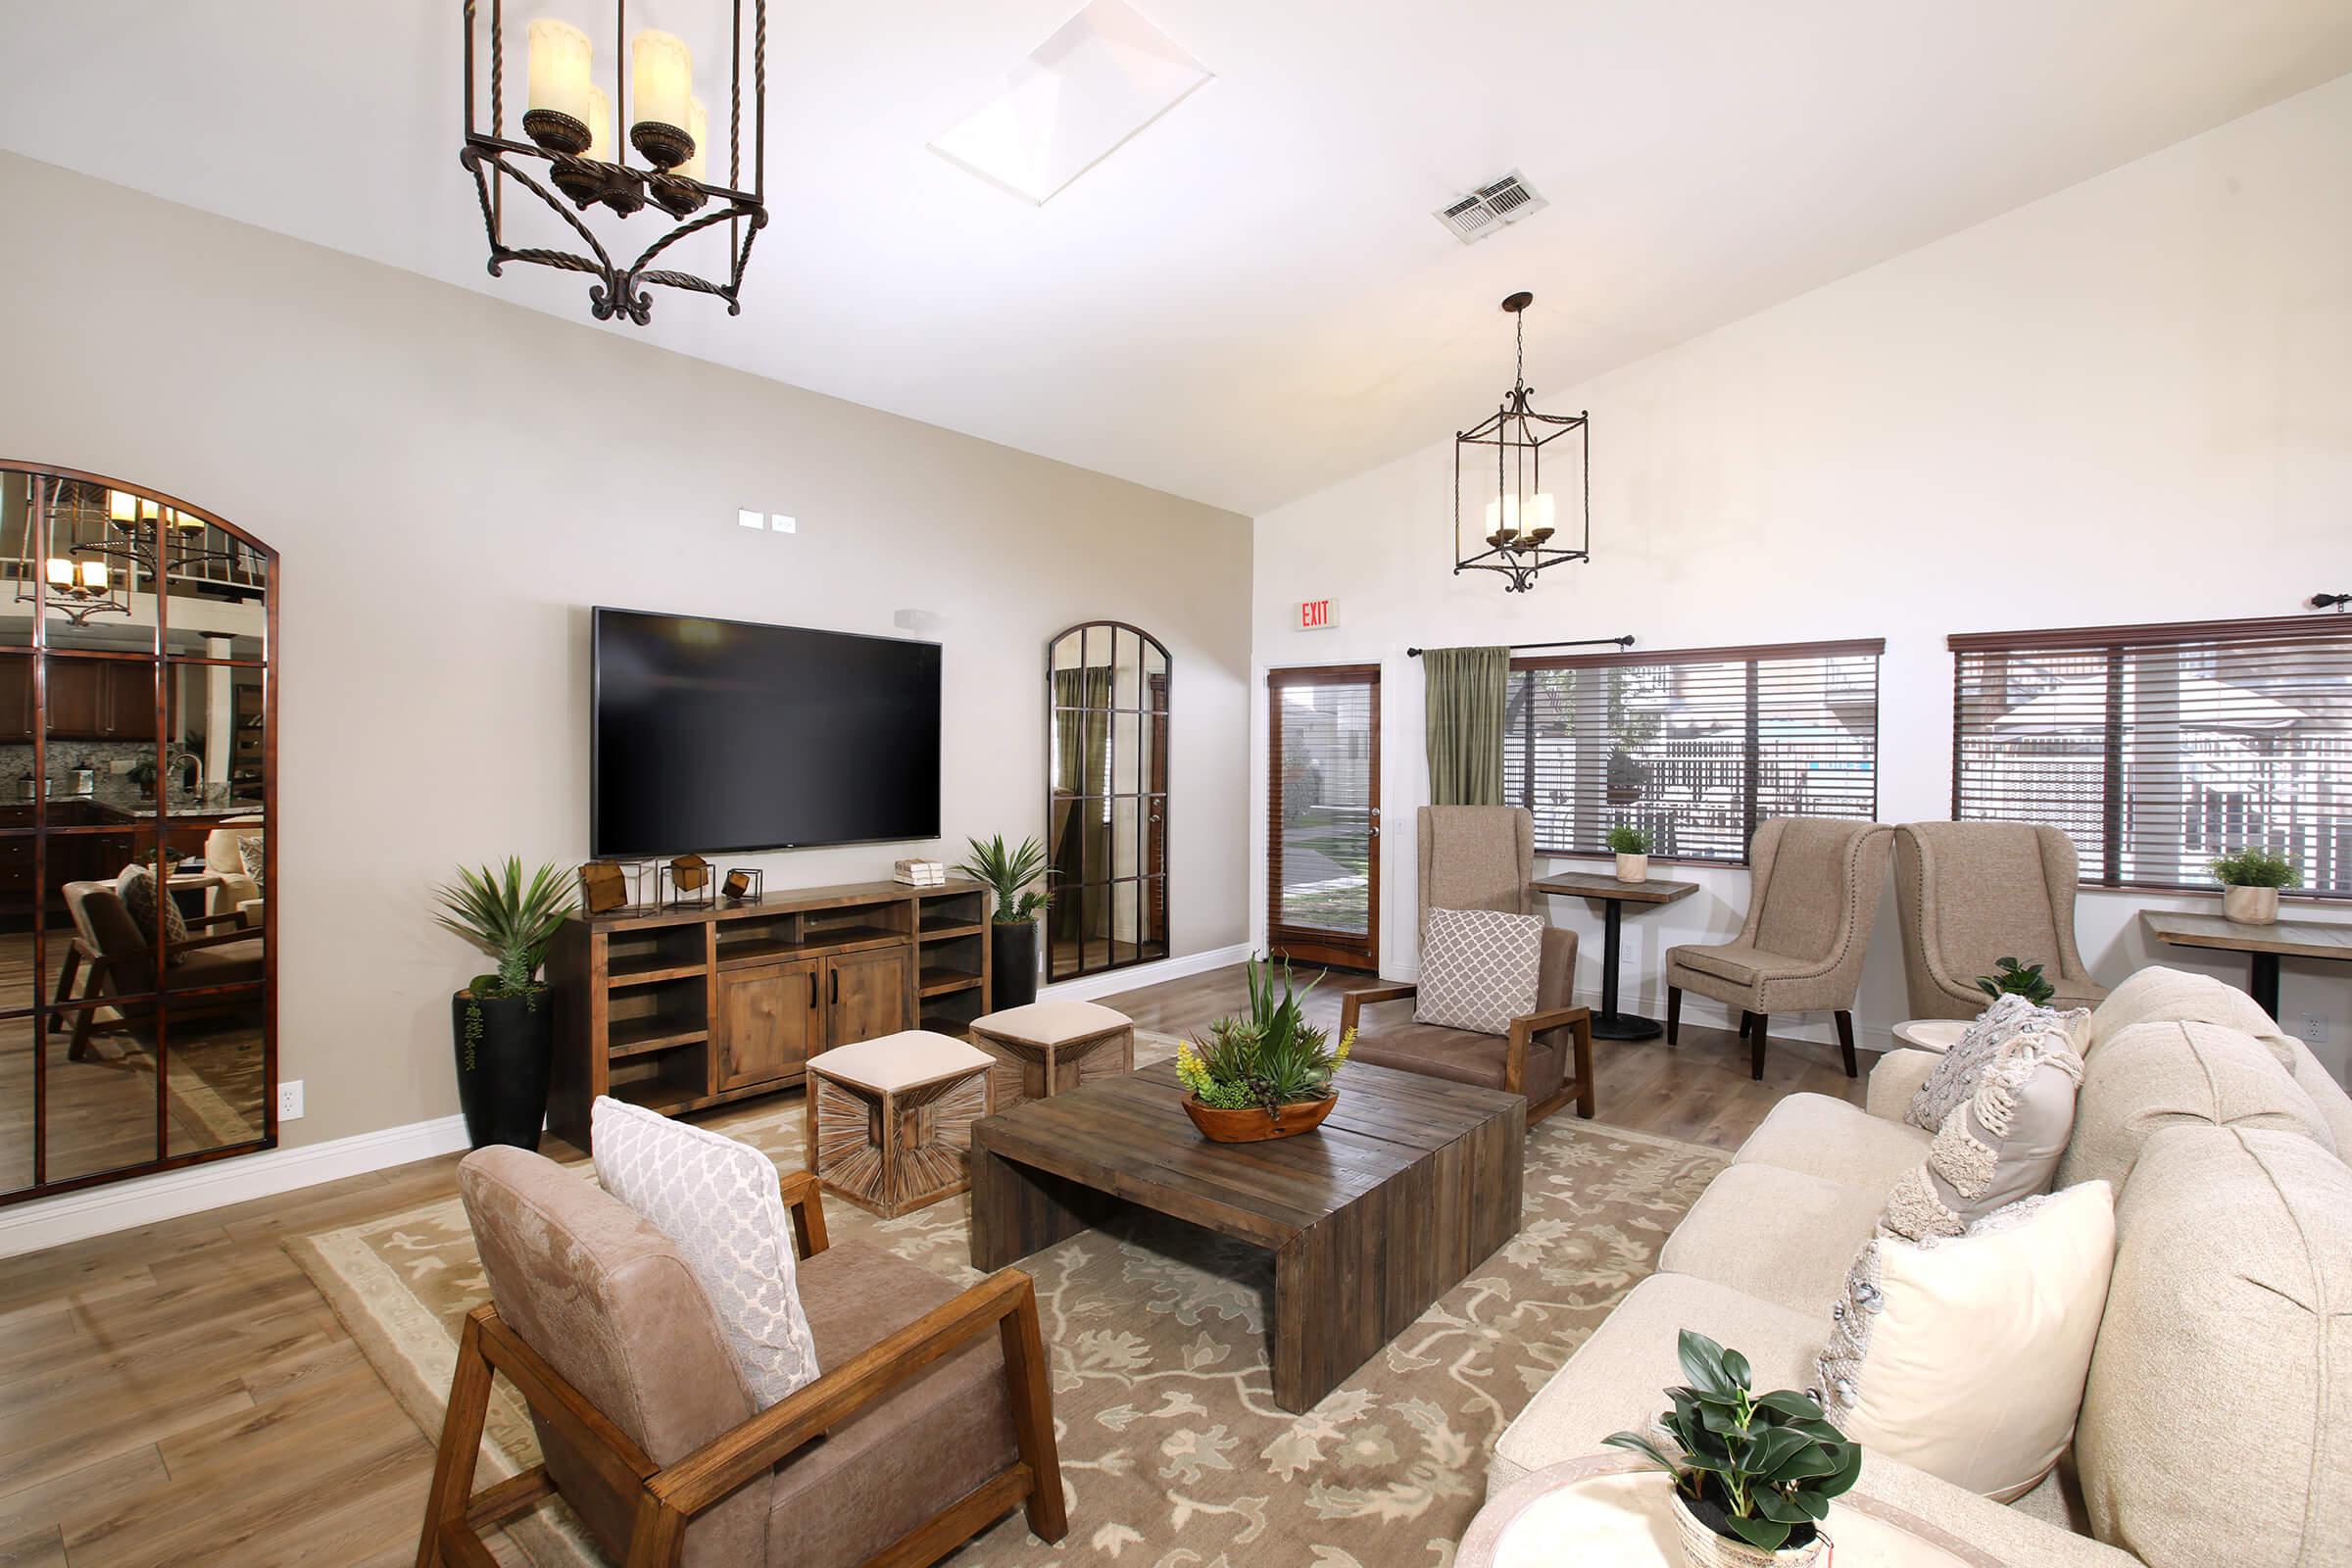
{"x": 1611, "y": 1511}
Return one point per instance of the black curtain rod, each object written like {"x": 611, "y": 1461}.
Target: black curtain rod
{"x": 1576, "y": 641}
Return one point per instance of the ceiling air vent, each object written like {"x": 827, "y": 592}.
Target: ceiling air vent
{"x": 1477, "y": 214}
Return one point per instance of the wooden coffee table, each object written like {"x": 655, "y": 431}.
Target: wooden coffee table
{"x": 1408, "y": 1185}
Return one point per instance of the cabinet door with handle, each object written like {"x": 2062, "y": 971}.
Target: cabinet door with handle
{"x": 769, "y": 1021}
{"x": 867, "y": 994}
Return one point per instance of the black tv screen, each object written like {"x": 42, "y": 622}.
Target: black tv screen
{"x": 717, "y": 735}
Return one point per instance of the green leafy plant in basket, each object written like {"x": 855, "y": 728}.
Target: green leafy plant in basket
{"x": 1760, "y": 1468}
{"x": 1270, "y": 1056}
{"x": 2010, "y": 978}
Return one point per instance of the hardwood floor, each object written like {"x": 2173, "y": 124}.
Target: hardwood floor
{"x": 179, "y": 1395}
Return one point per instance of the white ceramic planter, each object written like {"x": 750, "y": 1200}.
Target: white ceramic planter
{"x": 1632, "y": 868}
{"x": 2246, "y": 905}
{"x": 1704, "y": 1549}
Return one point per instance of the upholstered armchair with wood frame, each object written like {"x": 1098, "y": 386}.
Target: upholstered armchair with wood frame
{"x": 931, "y": 1418}
{"x": 1483, "y": 858}
{"x": 110, "y": 954}
{"x": 1813, "y": 897}
{"x": 1971, "y": 894}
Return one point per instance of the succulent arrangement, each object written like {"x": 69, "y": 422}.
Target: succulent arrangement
{"x": 2253, "y": 867}
{"x": 1270, "y": 1056}
{"x": 1759, "y": 1468}
{"x": 2009, "y": 978}
{"x": 1625, "y": 839}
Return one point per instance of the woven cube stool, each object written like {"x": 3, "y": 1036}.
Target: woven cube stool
{"x": 1049, "y": 1047}
{"x": 890, "y": 1120}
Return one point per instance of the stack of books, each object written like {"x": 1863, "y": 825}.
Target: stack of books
{"x": 920, "y": 873}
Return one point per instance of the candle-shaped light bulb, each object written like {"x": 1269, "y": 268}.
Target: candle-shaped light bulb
{"x": 561, "y": 59}
{"x": 61, "y": 572}
{"x": 121, "y": 506}
{"x": 1539, "y": 514}
{"x": 93, "y": 576}
{"x": 662, "y": 85}
{"x": 600, "y": 127}
{"x": 149, "y": 511}
{"x": 697, "y": 126}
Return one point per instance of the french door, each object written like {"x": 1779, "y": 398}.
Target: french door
{"x": 1323, "y": 815}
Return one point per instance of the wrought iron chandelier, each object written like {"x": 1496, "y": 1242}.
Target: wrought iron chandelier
{"x": 570, "y": 120}
{"x": 136, "y": 541}
{"x": 1499, "y": 486}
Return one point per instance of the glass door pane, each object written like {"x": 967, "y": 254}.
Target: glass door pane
{"x": 1323, "y": 830}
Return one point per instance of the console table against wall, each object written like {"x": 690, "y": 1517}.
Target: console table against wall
{"x": 681, "y": 1008}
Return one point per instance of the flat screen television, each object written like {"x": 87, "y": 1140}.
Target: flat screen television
{"x": 720, "y": 735}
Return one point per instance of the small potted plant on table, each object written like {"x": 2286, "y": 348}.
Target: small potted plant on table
{"x": 1752, "y": 1474}
{"x": 503, "y": 1022}
{"x": 2250, "y": 881}
{"x": 1631, "y": 846}
{"x": 2010, "y": 978}
{"x": 1264, "y": 1075}
{"x": 1011, "y": 876}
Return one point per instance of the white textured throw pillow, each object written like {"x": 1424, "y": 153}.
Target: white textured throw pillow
{"x": 1966, "y": 1355}
{"x": 2003, "y": 1145}
{"x": 1478, "y": 970}
{"x": 718, "y": 1202}
{"x": 1952, "y": 1081}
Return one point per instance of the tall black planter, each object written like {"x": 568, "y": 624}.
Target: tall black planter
{"x": 505, "y": 1047}
{"x": 1012, "y": 965}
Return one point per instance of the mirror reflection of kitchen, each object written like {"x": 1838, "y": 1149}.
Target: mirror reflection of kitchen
{"x": 126, "y": 807}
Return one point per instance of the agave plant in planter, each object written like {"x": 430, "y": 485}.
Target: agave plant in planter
{"x": 1753, "y": 1473}
{"x": 503, "y": 1022}
{"x": 1013, "y": 877}
{"x": 1266, "y": 1074}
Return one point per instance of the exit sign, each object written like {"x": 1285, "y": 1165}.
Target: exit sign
{"x": 1314, "y": 614}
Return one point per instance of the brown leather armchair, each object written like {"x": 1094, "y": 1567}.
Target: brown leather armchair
{"x": 1483, "y": 858}
{"x": 120, "y": 958}
{"x": 932, "y": 1416}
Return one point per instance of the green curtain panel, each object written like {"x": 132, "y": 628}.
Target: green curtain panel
{"x": 1465, "y": 687}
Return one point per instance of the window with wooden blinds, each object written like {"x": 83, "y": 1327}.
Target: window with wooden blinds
{"x": 2157, "y": 748}
{"x": 1694, "y": 748}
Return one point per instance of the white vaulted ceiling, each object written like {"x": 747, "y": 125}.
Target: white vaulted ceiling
{"x": 1250, "y": 299}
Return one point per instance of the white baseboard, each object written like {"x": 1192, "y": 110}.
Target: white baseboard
{"x": 1088, "y": 987}
{"x": 146, "y": 1200}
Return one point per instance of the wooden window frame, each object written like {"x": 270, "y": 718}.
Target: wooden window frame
{"x": 1751, "y": 655}
{"x": 2115, "y": 642}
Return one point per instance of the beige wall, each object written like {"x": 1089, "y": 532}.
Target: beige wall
{"x": 453, "y": 481}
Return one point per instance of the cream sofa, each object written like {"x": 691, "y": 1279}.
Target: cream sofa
{"x": 2217, "y": 1422}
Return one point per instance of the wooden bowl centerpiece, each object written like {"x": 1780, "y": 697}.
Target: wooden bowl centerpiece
{"x": 1265, "y": 1074}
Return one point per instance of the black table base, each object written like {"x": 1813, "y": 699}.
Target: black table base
{"x": 1608, "y": 1024}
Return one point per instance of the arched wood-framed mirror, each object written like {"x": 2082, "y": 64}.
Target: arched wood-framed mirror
{"x": 1106, "y": 799}
{"x": 138, "y": 779}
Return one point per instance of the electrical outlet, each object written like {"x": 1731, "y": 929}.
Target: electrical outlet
{"x": 289, "y": 1101}
{"x": 2312, "y": 1028}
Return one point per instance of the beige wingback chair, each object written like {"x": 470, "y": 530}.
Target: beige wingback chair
{"x": 1971, "y": 894}
{"x": 222, "y": 854}
{"x": 1813, "y": 895}
{"x": 1483, "y": 857}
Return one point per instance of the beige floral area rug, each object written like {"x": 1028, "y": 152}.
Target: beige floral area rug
{"x": 1173, "y": 1453}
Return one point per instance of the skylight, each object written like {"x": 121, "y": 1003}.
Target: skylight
{"x": 1072, "y": 102}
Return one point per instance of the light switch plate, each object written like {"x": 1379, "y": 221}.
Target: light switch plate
{"x": 751, "y": 519}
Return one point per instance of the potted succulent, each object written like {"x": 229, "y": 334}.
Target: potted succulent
{"x": 2250, "y": 881}
{"x": 1264, "y": 1075}
{"x": 1011, "y": 876}
{"x": 1752, "y": 1474}
{"x": 503, "y": 1021}
{"x": 2011, "y": 978}
{"x": 1631, "y": 846}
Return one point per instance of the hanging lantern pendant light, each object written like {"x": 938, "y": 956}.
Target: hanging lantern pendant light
{"x": 1500, "y": 484}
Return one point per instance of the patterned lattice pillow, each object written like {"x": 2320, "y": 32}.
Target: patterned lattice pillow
{"x": 137, "y": 889}
{"x": 1952, "y": 1081}
{"x": 1478, "y": 970}
{"x": 717, "y": 1200}
{"x": 250, "y": 855}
